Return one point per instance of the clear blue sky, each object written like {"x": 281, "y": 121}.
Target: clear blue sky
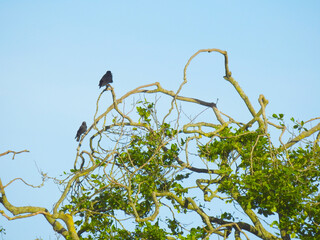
{"x": 53, "y": 54}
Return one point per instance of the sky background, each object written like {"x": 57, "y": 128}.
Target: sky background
{"x": 53, "y": 54}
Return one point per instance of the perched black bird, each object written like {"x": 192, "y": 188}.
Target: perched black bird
{"x": 106, "y": 79}
{"x": 82, "y": 129}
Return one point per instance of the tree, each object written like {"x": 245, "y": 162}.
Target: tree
{"x": 149, "y": 170}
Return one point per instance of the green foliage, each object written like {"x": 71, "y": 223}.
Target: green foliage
{"x": 271, "y": 182}
{"x": 252, "y": 173}
{"x": 149, "y": 231}
{"x": 145, "y": 111}
{"x": 2, "y": 230}
{"x": 195, "y": 233}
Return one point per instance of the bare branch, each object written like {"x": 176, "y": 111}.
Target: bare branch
{"x": 14, "y": 153}
{"x": 30, "y": 185}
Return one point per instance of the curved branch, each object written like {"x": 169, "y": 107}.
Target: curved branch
{"x": 243, "y": 226}
{"x": 29, "y": 211}
{"x": 189, "y": 167}
{"x": 30, "y": 185}
{"x": 192, "y": 206}
{"x": 14, "y": 153}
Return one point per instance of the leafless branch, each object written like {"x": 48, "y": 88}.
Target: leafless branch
{"x": 14, "y": 153}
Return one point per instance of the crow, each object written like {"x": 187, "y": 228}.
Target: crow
{"x": 82, "y": 129}
{"x": 106, "y": 79}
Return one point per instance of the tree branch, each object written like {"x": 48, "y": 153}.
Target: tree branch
{"x": 14, "y": 153}
{"x": 29, "y": 211}
{"x": 303, "y": 135}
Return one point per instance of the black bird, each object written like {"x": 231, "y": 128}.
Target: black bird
{"x": 106, "y": 79}
{"x": 82, "y": 129}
